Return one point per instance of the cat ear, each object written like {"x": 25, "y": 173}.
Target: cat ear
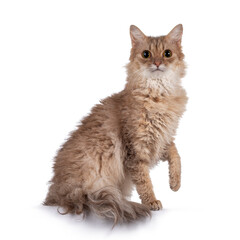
{"x": 176, "y": 34}
{"x": 136, "y": 35}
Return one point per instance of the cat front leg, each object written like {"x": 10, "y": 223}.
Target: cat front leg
{"x": 141, "y": 178}
{"x": 174, "y": 161}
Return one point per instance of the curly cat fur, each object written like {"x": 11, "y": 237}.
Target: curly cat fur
{"x": 125, "y": 135}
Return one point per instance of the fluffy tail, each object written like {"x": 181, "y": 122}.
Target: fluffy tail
{"x": 107, "y": 202}
{"x": 110, "y": 204}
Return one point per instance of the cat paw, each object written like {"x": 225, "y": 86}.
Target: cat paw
{"x": 155, "y": 205}
{"x": 175, "y": 183}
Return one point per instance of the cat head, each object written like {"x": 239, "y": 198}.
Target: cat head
{"x": 156, "y": 62}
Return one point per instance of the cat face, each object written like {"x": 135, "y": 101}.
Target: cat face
{"x": 157, "y": 57}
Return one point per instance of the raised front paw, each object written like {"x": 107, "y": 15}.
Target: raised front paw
{"x": 155, "y": 205}
{"x": 175, "y": 182}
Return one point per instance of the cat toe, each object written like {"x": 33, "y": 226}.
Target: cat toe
{"x": 175, "y": 184}
{"x": 156, "y": 205}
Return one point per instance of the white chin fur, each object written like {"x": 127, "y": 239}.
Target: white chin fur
{"x": 165, "y": 80}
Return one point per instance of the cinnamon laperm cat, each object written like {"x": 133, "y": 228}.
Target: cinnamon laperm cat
{"x": 125, "y": 135}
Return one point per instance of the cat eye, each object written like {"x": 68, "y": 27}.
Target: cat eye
{"x": 167, "y": 53}
{"x": 146, "y": 54}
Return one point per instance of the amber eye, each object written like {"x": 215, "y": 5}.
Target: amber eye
{"x": 146, "y": 54}
{"x": 167, "y": 53}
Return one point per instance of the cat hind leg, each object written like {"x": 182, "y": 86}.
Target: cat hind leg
{"x": 70, "y": 198}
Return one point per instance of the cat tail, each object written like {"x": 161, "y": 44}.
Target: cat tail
{"x": 109, "y": 203}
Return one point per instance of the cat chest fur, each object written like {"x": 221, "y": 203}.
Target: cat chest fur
{"x": 155, "y": 122}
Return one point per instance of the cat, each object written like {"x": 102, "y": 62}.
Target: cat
{"x": 125, "y": 135}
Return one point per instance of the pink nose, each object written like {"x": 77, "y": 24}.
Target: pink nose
{"x": 157, "y": 63}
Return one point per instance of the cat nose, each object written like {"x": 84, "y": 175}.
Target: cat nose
{"x": 157, "y": 63}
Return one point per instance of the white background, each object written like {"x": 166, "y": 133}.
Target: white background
{"x": 59, "y": 58}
